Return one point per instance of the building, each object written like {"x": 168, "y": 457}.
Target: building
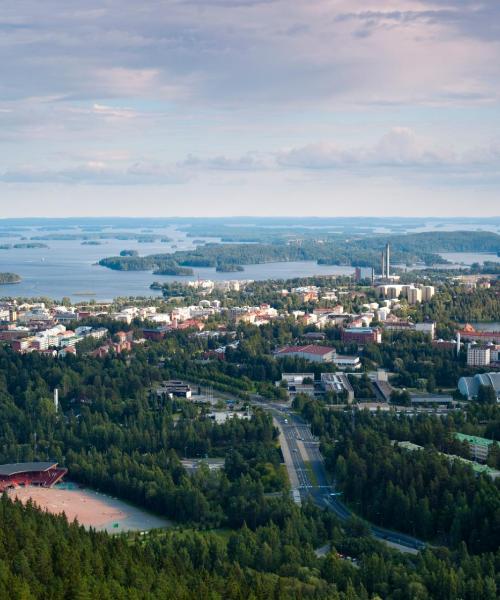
{"x": 478, "y": 356}
{"x": 428, "y": 327}
{"x": 431, "y": 400}
{"x": 311, "y": 352}
{"x": 473, "y": 335}
{"x": 428, "y": 292}
{"x": 21, "y": 345}
{"x": 392, "y": 323}
{"x": 156, "y": 334}
{"x": 337, "y": 383}
{"x": 343, "y": 361}
{"x": 361, "y": 335}
{"x": 469, "y": 386}
{"x": 298, "y": 383}
{"x": 479, "y": 447}
{"x": 414, "y": 295}
{"x": 44, "y": 474}
{"x": 174, "y": 388}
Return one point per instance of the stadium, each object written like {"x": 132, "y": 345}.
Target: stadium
{"x": 43, "y": 474}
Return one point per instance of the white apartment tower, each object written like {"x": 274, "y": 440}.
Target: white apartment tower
{"x": 414, "y": 295}
{"x": 478, "y": 356}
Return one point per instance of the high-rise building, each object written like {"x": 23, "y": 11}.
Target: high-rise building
{"x": 427, "y": 292}
{"x": 478, "y": 356}
{"x": 414, "y": 295}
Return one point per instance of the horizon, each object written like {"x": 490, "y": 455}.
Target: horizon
{"x": 449, "y": 219}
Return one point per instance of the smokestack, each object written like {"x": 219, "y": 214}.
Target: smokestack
{"x": 383, "y": 264}
{"x": 458, "y": 343}
{"x": 56, "y": 399}
{"x": 388, "y": 260}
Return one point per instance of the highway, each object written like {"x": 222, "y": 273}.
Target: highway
{"x": 310, "y": 473}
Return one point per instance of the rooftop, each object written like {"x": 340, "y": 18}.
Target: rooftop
{"x": 473, "y": 439}
{"x": 14, "y": 468}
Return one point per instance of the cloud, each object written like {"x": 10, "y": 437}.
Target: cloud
{"x": 247, "y": 162}
{"x": 209, "y": 91}
{"x": 398, "y": 147}
{"x": 99, "y": 173}
{"x": 237, "y": 51}
{"x": 398, "y": 152}
{"x": 114, "y": 112}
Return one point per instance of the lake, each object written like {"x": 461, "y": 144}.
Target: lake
{"x": 68, "y": 268}
{"x": 468, "y": 258}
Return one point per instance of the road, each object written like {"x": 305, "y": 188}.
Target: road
{"x": 311, "y": 477}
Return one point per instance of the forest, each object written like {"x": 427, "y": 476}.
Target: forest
{"x": 361, "y": 251}
{"x": 42, "y": 556}
{"x": 8, "y": 278}
{"x": 420, "y": 492}
{"x": 238, "y": 534}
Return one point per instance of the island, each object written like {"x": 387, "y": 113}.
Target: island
{"x": 174, "y": 269}
{"x": 9, "y": 278}
{"x": 22, "y": 246}
{"x": 228, "y": 268}
{"x": 129, "y": 253}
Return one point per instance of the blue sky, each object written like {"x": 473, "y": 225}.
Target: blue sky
{"x": 227, "y": 107}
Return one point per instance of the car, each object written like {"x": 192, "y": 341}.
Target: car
{"x": 295, "y": 450}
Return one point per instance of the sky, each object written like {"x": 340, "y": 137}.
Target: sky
{"x": 250, "y": 107}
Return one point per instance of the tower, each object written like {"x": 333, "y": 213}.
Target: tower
{"x": 387, "y": 260}
{"x": 458, "y": 343}
{"x": 56, "y": 399}
{"x": 383, "y": 264}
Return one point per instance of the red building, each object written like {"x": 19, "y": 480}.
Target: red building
{"x": 155, "y": 334}
{"x": 362, "y": 335}
{"x": 470, "y": 333}
{"x": 44, "y": 474}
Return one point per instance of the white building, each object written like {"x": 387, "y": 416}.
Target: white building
{"x": 414, "y": 295}
{"x": 383, "y": 313}
{"x": 347, "y": 362}
{"x": 478, "y": 356}
{"x": 469, "y": 386}
{"x": 427, "y": 327}
{"x": 428, "y": 292}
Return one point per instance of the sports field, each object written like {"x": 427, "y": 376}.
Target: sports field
{"x": 90, "y": 508}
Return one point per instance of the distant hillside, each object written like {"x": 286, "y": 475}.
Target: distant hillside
{"x": 337, "y": 250}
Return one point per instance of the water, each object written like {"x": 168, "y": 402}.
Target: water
{"x": 468, "y": 258}
{"x": 68, "y": 268}
{"x": 486, "y": 326}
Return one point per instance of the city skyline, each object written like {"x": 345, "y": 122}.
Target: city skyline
{"x": 250, "y": 107}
